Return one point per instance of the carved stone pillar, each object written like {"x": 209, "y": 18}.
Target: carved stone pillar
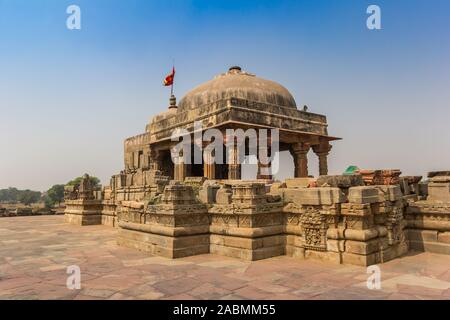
{"x": 179, "y": 171}
{"x": 209, "y": 166}
{"x": 322, "y": 150}
{"x": 264, "y": 170}
{"x": 300, "y": 152}
{"x": 234, "y": 167}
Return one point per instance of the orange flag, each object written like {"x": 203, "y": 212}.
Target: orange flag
{"x": 168, "y": 81}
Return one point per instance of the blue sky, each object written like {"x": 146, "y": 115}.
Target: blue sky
{"x": 68, "y": 98}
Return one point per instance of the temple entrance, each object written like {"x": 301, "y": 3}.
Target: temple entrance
{"x": 195, "y": 169}
{"x": 167, "y": 166}
{"x": 222, "y": 171}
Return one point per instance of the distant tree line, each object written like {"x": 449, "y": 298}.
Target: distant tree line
{"x": 23, "y": 196}
{"x": 53, "y": 196}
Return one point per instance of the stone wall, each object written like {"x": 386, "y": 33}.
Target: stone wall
{"x": 342, "y": 219}
{"x": 359, "y": 225}
{"x": 428, "y": 221}
{"x": 362, "y": 228}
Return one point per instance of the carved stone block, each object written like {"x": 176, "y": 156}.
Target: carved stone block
{"x": 363, "y": 195}
{"x": 317, "y": 196}
{"x": 439, "y": 189}
{"x": 298, "y": 182}
{"x": 390, "y": 193}
{"x": 340, "y": 181}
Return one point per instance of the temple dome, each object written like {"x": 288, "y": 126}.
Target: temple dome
{"x": 237, "y": 84}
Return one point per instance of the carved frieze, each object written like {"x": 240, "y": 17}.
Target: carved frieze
{"x": 314, "y": 227}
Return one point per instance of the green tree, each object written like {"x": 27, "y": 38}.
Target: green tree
{"x": 9, "y": 195}
{"x": 28, "y": 197}
{"x": 55, "y": 195}
{"x": 47, "y": 201}
{"x": 94, "y": 181}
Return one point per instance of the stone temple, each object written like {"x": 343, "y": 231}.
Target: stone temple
{"x": 174, "y": 210}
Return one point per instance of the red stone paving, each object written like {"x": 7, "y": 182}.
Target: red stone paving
{"x": 36, "y": 251}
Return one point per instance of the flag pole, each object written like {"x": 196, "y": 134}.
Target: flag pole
{"x": 173, "y": 68}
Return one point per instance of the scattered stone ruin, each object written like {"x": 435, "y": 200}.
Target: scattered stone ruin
{"x": 19, "y": 211}
{"x": 179, "y": 210}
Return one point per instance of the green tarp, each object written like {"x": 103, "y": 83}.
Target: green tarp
{"x": 351, "y": 170}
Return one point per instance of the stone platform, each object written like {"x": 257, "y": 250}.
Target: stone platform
{"x": 35, "y": 252}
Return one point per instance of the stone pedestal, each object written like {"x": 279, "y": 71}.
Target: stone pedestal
{"x": 310, "y": 213}
{"x": 439, "y": 189}
{"x": 83, "y": 212}
{"x": 83, "y": 203}
{"x": 175, "y": 227}
{"x": 249, "y": 228}
{"x": 372, "y": 225}
{"x": 428, "y": 226}
{"x": 428, "y": 221}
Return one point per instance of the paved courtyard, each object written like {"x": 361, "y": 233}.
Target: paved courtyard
{"x": 36, "y": 251}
